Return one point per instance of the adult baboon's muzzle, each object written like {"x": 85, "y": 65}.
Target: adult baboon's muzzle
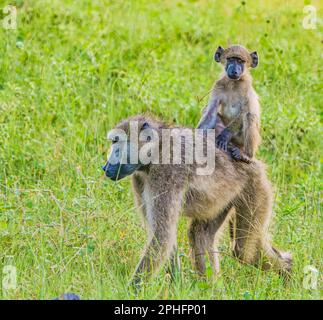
{"x": 112, "y": 171}
{"x": 118, "y": 171}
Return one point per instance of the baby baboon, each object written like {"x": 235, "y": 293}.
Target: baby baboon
{"x": 163, "y": 191}
{"x": 233, "y": 106}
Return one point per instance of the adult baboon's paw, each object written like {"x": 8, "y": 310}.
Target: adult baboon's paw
{"x": 286, "y": 268}
{"x": 288, "y": 261}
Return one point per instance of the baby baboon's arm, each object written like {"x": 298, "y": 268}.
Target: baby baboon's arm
{"x": 209, "y": 114}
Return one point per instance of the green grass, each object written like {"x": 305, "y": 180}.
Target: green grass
{"x": 73, "y": 69}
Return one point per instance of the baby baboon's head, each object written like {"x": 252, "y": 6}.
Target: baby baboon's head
{"x": 236, "y": 60}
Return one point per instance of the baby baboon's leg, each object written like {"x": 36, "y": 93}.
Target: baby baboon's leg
{"x": 252, "y": 245}
{"x": 251, "y": 134}
{"x": 162, "y": 215}
{"x": 202, "y": 240}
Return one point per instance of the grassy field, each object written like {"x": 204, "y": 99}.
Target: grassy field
{"x": 71, "y": 70}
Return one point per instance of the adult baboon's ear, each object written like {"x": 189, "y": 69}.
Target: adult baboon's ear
{"x": 145, "y": 126}
{"x": 254, "y": 59}
{"x": 218, "y": 53}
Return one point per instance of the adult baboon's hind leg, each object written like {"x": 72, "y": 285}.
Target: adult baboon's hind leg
{"x": 252, "y": 243}
{"x": 232, "y": 228}
{"x": 202, "y": 236}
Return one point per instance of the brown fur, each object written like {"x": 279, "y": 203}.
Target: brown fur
{"x": 164, "y": 191}
{"x": 236, "y": 51}
{"x": 236, "y": 104}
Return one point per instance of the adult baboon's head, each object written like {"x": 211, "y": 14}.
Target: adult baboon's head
{"x": 135, "y": 141}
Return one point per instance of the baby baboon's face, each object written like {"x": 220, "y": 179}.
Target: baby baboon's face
{"x": 234, "y": 67}
{"x": 236, "y": 59}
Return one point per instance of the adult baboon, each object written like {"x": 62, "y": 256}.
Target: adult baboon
{"x": 163, "y": 191}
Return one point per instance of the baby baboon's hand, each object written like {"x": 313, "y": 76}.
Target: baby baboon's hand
{"x": 222, "y": 143}
{"x": 239, "y": 156}
{"x": 223, "y": 139}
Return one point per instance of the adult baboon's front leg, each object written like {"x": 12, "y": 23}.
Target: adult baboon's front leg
{"x": 174, "y": 266}
{"x": 162, "y": 213}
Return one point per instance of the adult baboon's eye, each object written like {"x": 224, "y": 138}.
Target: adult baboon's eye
{"x": 115, "y": 140}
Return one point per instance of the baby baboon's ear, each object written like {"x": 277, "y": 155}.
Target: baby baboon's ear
{"x": 145, "y": 126}
{"x": 218, "y": 53}
{"x": 254, "y": 59}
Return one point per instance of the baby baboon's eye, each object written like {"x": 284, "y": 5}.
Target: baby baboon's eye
{"x": 148, "y": 138}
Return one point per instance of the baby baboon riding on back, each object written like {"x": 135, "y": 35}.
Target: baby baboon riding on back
{"x": 233, "y": 108}
{"x": 163, "y": 191}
